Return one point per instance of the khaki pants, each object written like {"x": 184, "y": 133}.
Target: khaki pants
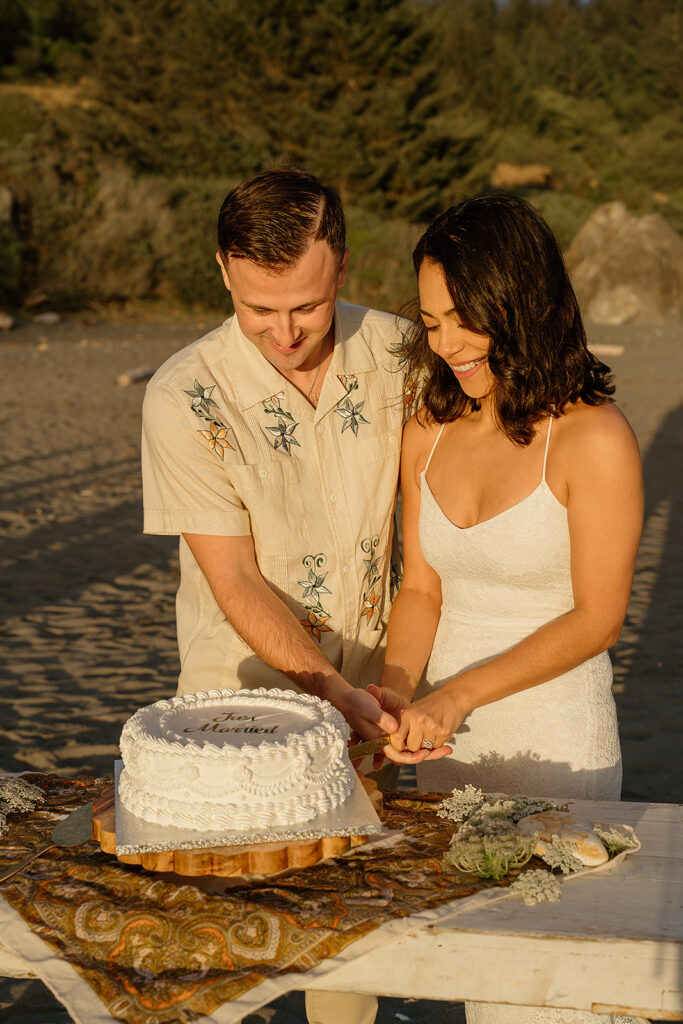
{"x": 340, "y": 1008}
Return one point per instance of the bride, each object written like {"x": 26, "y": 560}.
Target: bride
{"x": 522, "y": 511}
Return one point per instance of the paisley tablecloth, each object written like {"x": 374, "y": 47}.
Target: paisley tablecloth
{"x": 155, "y": 949}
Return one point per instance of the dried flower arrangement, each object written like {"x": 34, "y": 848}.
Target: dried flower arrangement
{"x": 614, "y": 839}
{"x": 487, "y": 843}
{"x": 490, "y": 856}
{"x": 537, "y": 886}
{"x": 17, "y": 795}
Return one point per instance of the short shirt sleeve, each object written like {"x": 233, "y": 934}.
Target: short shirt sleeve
{"x": 185, "y": 481}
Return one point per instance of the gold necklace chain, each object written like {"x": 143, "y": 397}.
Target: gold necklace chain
{"x": 317, "y": 371}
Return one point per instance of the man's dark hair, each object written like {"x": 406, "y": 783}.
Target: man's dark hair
{"x": 273, "y": 217}
{"x": 507, "y": 279}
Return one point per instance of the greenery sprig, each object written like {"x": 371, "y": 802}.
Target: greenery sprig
{"x": 487, "y": 843}
{"x": 490, "y": 856}
{"x": 614, "y": 840}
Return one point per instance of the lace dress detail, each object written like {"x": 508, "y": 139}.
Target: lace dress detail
{"x": 498, "y": 1013}
{"x": 501, "y": 580}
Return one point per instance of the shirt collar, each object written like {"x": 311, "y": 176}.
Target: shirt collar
{"x": 255, "y": 380}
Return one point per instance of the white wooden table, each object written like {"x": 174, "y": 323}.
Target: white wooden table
{"x": 613, "y": 944}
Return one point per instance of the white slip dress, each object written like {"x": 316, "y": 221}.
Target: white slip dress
{"x": 501, "y": 580}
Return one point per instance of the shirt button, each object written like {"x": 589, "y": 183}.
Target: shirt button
{"x": 346, "y": 567}
{"x": 333, "y": 496}
{"x": 263, "y": 472}
{"x": 348, "y": 635}
{"x": 321, "y": 429}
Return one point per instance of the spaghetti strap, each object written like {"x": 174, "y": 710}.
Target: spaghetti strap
{"x": 438, "y": 436}
{"x": 547, "y": 445}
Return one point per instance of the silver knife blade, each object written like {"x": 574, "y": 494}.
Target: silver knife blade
{"x": 75, "y": 828}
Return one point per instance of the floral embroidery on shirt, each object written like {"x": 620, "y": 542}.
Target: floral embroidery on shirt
{"x": 370, "y": 602}
{"x": 216, "y": 437}
{"x": 201, "y": 398}
{"x": 370, "y": 605}
{"x": 217, "y": 433}
{"x": 409, "y": 392}
{"x": 349, "y": 381}
{"x": 350, "y": 413}
{"x": 313, "y": 587}
{"x": 369, "y": 547}
{"x": 273, "y": 405}
{"x": 283, "y": 433}
{"x": 395, "y": 577}
{"x": 315, "y": 624}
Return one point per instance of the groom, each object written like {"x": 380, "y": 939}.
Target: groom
{"x": 271, "y": 447}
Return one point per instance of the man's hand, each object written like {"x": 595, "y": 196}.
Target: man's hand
{"x": 363, "y": 712}
{"x": 389, "y": 700}
{"x": 393, "y": 703}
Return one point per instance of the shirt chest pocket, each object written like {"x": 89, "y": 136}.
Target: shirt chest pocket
{"x": 272, "y": 494}
{"x": 384, "y": 446}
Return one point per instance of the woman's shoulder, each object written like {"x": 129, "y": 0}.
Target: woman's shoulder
{"x": 419, "y": 435}
{"x": 590, "y": 434}
{"x": 601, "y": 423}
{"x": 421, "y": 430}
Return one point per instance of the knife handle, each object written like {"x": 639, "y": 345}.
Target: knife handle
{"x": 25, "y": 863}
{"x": 368, "y": 747}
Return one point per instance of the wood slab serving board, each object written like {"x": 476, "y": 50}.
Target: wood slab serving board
{"x": 228, "y": 861}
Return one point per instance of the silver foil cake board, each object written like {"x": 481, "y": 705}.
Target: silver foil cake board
{"x": 356, "y": 816}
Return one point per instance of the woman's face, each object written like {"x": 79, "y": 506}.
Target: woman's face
{"x": 465, "y": 351}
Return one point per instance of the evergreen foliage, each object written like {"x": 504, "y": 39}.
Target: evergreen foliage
{"x": 404, "y": 105}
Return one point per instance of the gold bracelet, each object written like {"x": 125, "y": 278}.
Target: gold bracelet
{"x": 395, "y": 664}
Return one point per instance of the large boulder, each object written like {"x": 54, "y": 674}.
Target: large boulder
{"x": 627, "y": 269}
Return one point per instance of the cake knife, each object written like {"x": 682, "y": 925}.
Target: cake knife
{"x": 368, "y": 747}
{"x": 76, "y": 828}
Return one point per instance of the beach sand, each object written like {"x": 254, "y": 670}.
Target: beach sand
{"x": 87, "y": 601}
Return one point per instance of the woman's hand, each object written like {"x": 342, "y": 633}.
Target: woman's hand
{"x": 433, "y": 718}
{"x": 400, "y": 753}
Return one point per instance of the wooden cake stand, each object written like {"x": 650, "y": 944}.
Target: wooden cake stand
{"x": 228, "y": 861}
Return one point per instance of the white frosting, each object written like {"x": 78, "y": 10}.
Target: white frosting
{"x": 235, "y": 759}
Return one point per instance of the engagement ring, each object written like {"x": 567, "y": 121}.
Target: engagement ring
{"x": 428, "y": 744}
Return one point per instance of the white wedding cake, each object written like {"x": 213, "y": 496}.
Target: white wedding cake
{"x": 235, "y": 759}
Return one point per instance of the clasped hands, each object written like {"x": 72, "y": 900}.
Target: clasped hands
{"x": 423, "y": 726}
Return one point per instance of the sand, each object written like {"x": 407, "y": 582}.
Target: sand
{"x": 87, "y": 601}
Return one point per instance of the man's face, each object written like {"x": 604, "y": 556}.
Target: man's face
{"x": 287, "y": 315}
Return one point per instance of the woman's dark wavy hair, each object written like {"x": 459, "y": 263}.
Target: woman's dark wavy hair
{"x": 507, "y": 279}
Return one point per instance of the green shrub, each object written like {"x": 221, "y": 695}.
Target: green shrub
{"x": 380, "y": 268}
{"x": 19, "y": 115}
{"x": 10, "y": 267}
{"x": 189, "y": 274}
{"x": 564, "y": 213}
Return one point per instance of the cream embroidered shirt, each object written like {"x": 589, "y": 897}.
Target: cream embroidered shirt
{"x": 230, "y": 447}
